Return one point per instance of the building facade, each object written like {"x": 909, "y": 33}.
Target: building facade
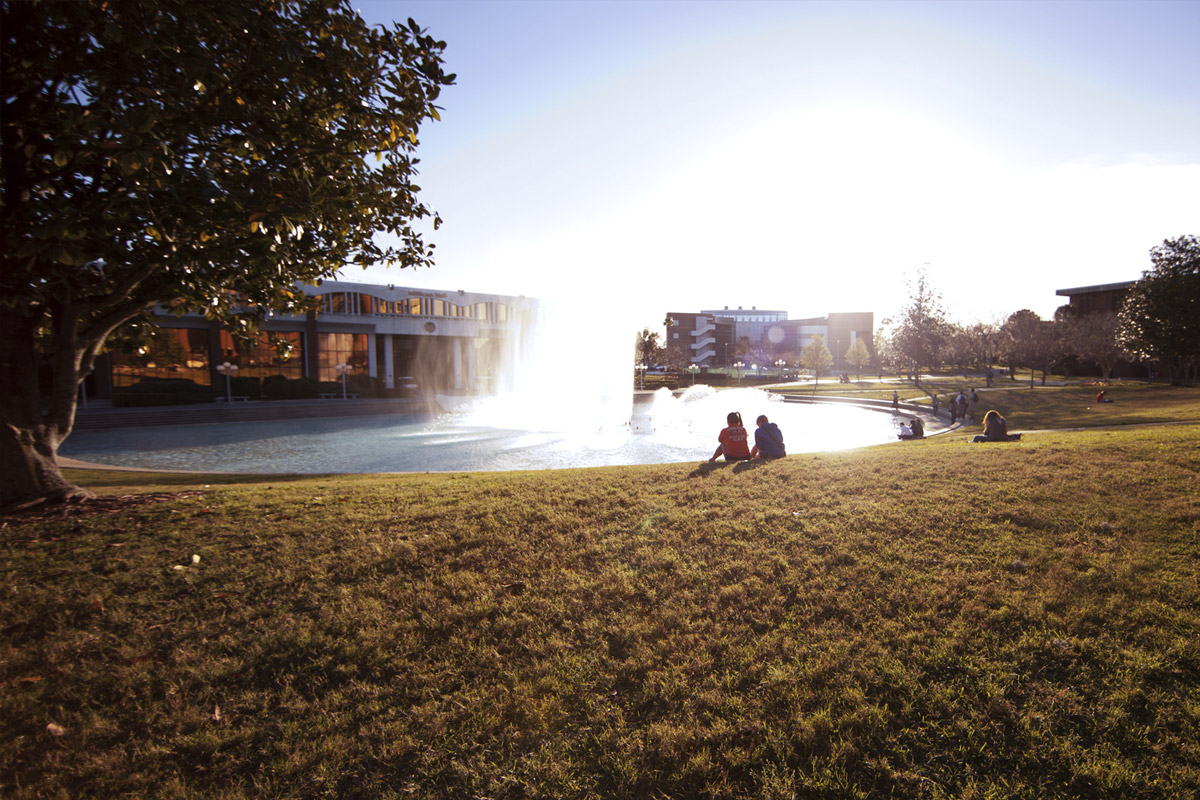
{"x": 712, "y": 338}
{"x": 1099, "y": 298}
{"x": 447, "y": 341}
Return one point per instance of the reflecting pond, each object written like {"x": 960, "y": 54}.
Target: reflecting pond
{"x": 487, "y": 436}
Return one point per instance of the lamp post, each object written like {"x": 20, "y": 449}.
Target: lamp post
{"x": 757, "y": 374}
{"x": 342, "y": 369}
{"x": 228, "y": 370}
{"x": 693, "y": 368}
{"x": 738, "y": 366}
{"x": 781, "y": 364}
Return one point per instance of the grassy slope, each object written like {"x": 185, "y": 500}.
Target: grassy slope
{"x": 933, "y": 619}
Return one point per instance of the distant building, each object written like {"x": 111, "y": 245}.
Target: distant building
{"x": 448, "y": 341}
{"x": 1102, "y": 297}
{"x": 710, "y": 338}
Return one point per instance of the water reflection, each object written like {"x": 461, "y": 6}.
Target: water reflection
{"x": 479, "y": 438}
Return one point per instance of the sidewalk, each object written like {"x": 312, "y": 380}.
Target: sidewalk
{"x": 100, "y": 417}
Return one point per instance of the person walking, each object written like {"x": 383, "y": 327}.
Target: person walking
{"x": 973, "y": 400}
{"x": 961, "y": 402}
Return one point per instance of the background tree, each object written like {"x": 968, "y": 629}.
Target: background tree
{"x": 648, "y": 351}
{"x": 1027, "y": 340}
{"x": 919, "y": 332}
{"x": 195, "y": 155}
{"x": 984, "y": 342}
{"x": 858, "y": 356}
{"x": 1088, "y": 340}
{"x": 816, "y": 356}
{"x": 1161, "y": 317}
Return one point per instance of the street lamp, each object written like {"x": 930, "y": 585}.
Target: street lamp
{"x": 693, "y": 368}
{"x": 781, "y": 364}
{"x": 342, "y": 369}
{"x": 738, "y": 366}
{"x": 228, "y": 370}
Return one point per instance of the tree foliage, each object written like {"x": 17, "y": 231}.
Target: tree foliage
{"x": 816, "y": 356}
{"x": 1161, "y": 317}
{"x": 920, "y": 331}
{"x": 858, "y": 356}
{"x": 647, "y": 351}
{"x": 1028, "y": 340}
{"x": 201, "y": 156}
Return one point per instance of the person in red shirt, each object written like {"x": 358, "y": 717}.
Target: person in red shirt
{"x": 734, "y": 441}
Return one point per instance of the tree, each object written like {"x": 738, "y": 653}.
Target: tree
{"x": 920, "y": 332}
{"x": 647, "y": 352}
{"x": 1161, "y": 316}
{"x": 816, "y": 356}
{"x": 858, "y": 356}
{"x": 1091, "y": 337}
{"x": 192, "y": 156}
{"x": 1028, "y": 340}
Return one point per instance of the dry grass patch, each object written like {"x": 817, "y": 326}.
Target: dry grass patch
{"x": 936, "y": 619}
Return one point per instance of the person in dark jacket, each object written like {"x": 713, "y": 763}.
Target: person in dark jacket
{"x": 995, "y": 428}
{"x": 768, "y": 440}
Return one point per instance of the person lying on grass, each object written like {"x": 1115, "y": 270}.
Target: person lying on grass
{"x": 733, "y": 440}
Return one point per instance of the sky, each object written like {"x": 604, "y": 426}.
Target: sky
{"x": 627, "y": 159}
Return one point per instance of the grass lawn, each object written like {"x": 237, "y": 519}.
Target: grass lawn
{"x": 931, "y": 619}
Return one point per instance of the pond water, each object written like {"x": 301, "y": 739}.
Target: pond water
{"x": 487, "y": 436}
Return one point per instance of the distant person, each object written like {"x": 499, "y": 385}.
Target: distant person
{"x": 961, "y": 403}
{"x": 1101, "y": 397}
{"x": 995, "y": 428}
{"x": 733, "y": 440}
{"x": 768, "y": 439}
{"x": 952, "y": 407}
{"x": 895, "y": 401}
{"x": 971, "y": 403}
{"x": 913, "y": 429}
{"x": 905, "y": 431}
{"x": 936, "y": 402}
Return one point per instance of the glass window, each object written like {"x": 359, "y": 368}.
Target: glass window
{"x": 341, "y": 348}
{"x": 173, "y": 353}
{"x": 439, "y": 308}
{"x": 263, "y": 358}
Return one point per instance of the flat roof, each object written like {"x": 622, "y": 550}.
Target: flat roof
{"x": 1102, "y": 287}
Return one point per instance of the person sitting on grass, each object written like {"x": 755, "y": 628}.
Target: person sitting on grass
{"x": 732, "y": 440}
{"x": 915, "y": 429}
{"x": 1101, "y": 397}
{"x": 768, "y": 440}
{"x": 995, "y": 428}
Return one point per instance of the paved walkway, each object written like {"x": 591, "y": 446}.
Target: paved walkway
{"x": 101, "y": 417}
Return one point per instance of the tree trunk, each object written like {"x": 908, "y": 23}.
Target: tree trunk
{"x": 29, "y": 463}
{"x": 30, "y": 430}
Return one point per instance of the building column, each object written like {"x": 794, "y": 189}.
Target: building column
{"x": 312, "y": 347}
{"x": 469, "y": 344}
{"x": 372, "y": 361}
{"x": 389, "y": 363}
{"x": 456, "y": 352}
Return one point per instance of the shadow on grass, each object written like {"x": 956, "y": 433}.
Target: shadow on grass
{"x": 706, "y": 468}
